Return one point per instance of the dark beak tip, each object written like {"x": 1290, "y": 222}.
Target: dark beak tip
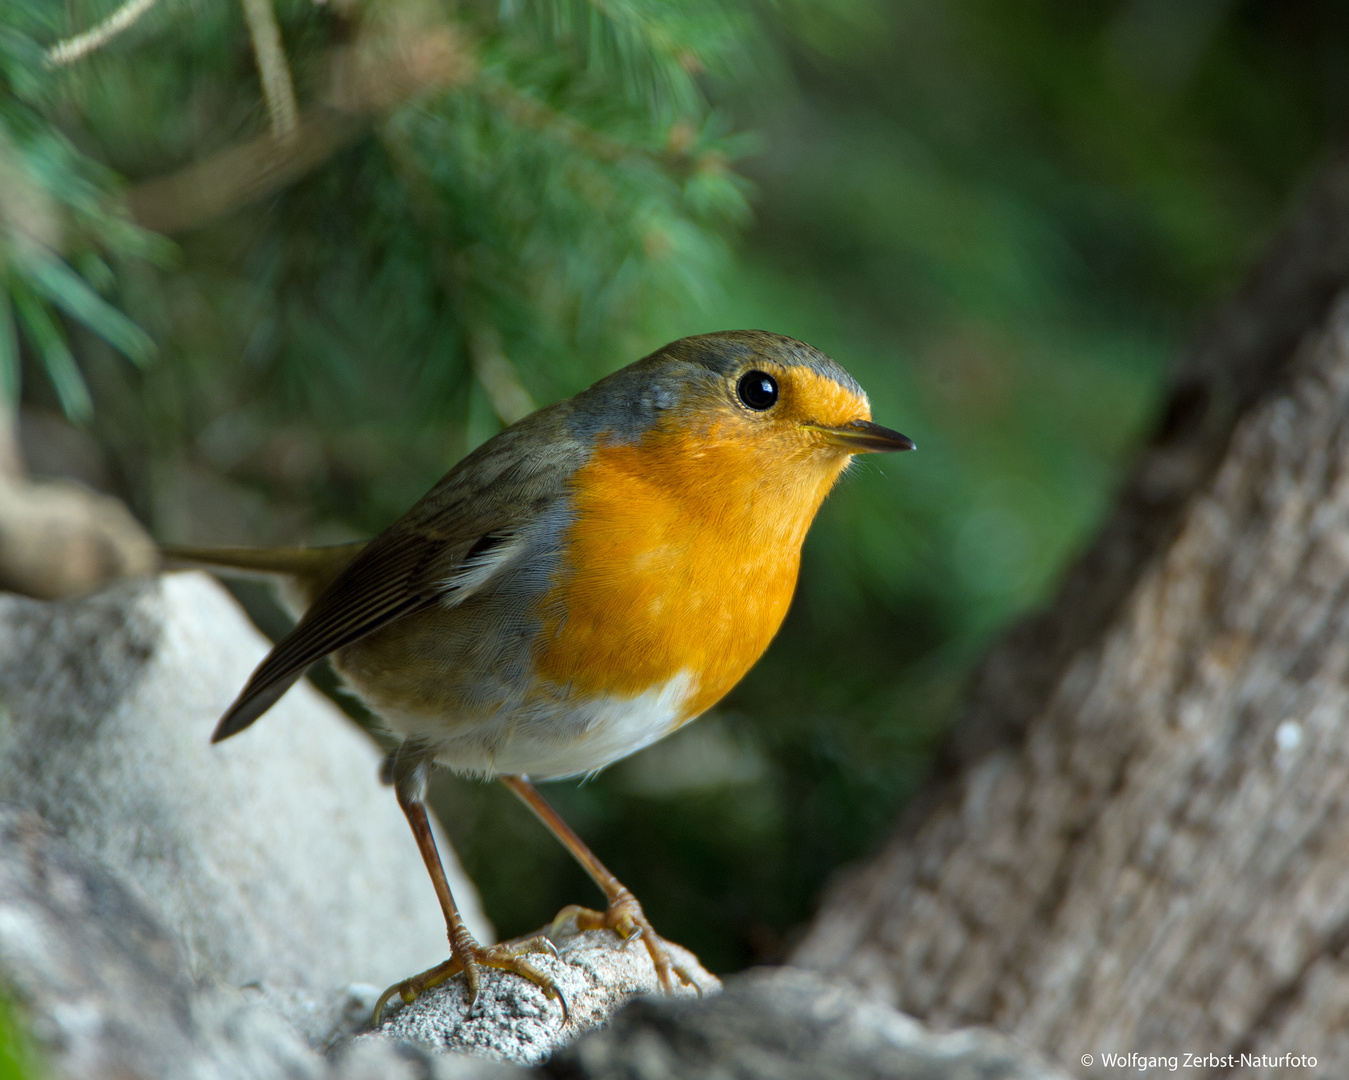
{"x": 887, "y": 440}
{"x": 866, "y": 437}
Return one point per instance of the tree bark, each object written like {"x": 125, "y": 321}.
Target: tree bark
{"x": 1138, "y": 836}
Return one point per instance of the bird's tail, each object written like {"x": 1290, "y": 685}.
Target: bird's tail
{"x": 310, "y": 568}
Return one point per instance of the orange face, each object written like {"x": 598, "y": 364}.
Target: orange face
{"x": 682, "y": 556}
{"x": 789, "y": 436}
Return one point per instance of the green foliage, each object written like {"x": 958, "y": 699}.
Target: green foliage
{"x": 18, "y": 1057}
{"x": 1002, "y": 218}
{"x": 566, "y": 179}
{"x": 54, "y": 206}
{"x": 653, "y": 50}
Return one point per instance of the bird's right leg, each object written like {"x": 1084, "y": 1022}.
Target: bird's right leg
{"x": 624, "y": 915}
{"x": 411, "y": 766}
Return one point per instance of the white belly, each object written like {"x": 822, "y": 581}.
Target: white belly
{"x": 556, "y": 738}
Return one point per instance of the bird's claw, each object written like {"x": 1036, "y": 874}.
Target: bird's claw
{"x": 470, "y": 958}
{"x": 625, "y": 917}
{"x": 409, "y": 990}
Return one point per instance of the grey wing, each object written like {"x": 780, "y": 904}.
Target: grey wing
{"x": 461, "y": 535}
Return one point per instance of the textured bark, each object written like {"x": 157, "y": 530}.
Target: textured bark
{"x": 1140, "y": 838}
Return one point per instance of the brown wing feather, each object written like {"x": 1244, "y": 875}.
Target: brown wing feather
{"x": 493, "y": 492}
{"x": 362, "y": 599}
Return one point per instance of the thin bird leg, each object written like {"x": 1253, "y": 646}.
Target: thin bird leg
{"x": 624, "y": 915}
{"x": 466, "y": 954}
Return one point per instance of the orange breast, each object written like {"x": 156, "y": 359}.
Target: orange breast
{"x": 682, "y": 557}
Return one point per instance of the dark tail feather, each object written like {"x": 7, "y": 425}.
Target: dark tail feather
{"x": 312, "y": 569}
{"x": 250, "y": 704}
{"x": 309, "y": 569}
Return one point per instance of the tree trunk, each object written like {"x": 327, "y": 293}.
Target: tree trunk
{"x": 1138, "y": 839}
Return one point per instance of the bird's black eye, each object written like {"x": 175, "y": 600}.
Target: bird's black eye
{"x": 758, "y": 390}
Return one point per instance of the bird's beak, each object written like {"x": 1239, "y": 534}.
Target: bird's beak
{"x": 863, "y": 437}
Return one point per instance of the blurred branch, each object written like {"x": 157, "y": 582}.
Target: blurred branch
{"x": 11, "y": 457}
{"x": 277, "y": 86}
{"x": 73, "y": 48}
{"x": 494, "y": 370}
{"x": 365, "y": 82}
{"x": 241, "y": 174}
{"x": 377, "y": 73}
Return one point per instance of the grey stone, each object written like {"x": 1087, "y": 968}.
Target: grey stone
{"x": 277, "y": 857}
{"x": 789, "y": 1024}
{"x": 108, "y": 995}
{"x": 226, "y": 912}
{"x": 383, "y": 1059}
{"x": 103, "y": 985}
{"x": 768, "y": 1024}
{"x": 512, "y": 1019}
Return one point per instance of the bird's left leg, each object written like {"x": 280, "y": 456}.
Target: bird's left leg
{"x": 408, "y": 769}
{"x": 624, "y": 915}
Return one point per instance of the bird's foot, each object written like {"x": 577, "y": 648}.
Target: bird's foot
{"x": 470, "y": 958}
{"x": 625, "y": 917}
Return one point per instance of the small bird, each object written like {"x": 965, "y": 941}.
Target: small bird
{"x": 584, "y": 583}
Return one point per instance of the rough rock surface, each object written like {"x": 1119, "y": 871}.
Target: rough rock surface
{"x": 277, "y": 857}
{"x": 102, "y": 982}
{"x": 513, "y": 1020}
{"x": 106, "y": 990}
{"x": 226, "y": 912}
{"x": 789, "y": 1024}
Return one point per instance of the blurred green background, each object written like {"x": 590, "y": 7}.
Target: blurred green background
{"x": 1003, "y": 218}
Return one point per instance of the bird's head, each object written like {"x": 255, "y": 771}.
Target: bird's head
{"x": 769, "y": 395}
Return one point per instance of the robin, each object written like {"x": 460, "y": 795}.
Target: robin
{"x": 584, "y": 583}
